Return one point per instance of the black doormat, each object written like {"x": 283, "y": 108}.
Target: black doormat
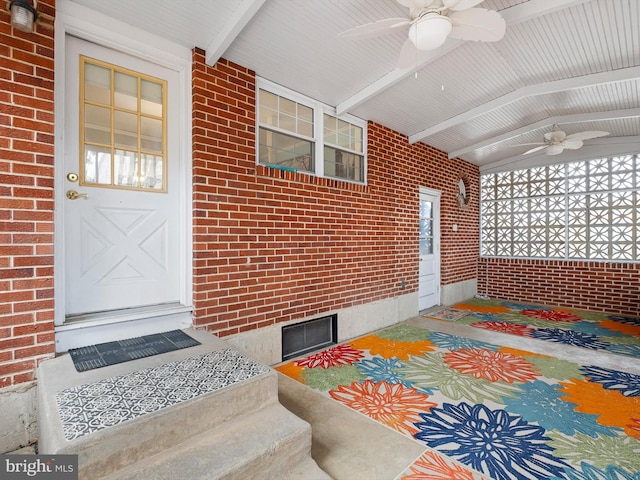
{"x": 103, "y": 354}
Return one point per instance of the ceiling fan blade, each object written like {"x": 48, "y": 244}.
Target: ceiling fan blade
{"x": 527, "y": 144}
{"x": 478, "y": 24}
{"x": 375, "y": 28}
{"x": 572, "y": 144}
{"x": 536, "y": 149}
{"x": 586, "y": 135}
{"x": 409, "y": 55}
{"x": 457, "y": 5}
{"x": 415, "y": 3}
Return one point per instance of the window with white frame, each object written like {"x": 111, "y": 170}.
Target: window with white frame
{"x": 297, "y": 133}
{"x": 581, "y": 210}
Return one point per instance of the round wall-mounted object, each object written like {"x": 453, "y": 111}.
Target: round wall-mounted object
{"x": 464, "y": 193}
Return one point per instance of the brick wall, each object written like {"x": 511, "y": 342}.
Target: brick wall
{"x": 26, "y": 194}
{"x": 599, "y": 286}
{"x": 273, "y": 246}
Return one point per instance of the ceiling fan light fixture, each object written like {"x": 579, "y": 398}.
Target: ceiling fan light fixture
{"x": 430, "y": 31}
{"x": 554, "y": 149}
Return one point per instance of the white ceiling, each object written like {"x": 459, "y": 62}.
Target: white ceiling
{"x": 571, "y": 62}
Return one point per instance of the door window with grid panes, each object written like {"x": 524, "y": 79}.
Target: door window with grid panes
{"x": 123, "y": 128}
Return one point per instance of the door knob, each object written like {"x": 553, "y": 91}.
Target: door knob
{"x": 73, "y": 195}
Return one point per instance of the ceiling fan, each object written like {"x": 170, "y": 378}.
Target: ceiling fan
{"x": 556, "y": 141}
{"x": 430, "y": 22}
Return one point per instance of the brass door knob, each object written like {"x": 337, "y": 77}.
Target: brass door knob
{"x": 73, "y": 195}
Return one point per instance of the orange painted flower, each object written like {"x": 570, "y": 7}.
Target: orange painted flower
{"x": 290, "y": 370}
{"x": 481, "y": 308}
{"x": 613, "y": 408}
{"x": 433, "y": 466}
{"x": 392, "y": 348}
{"x": 395, "y": 405}
{"x": 492, "y": 366}
{"x": 621, "y": 327}
{"x": 521, "y": 353}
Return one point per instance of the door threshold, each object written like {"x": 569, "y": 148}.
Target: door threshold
{"x": 123, "y": 315}
{"x": 100, "y": 327}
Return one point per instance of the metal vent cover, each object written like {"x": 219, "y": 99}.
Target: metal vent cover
{"x": 304, "y": 337}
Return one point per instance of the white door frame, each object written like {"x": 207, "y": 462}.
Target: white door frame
{"x": 437, "y": 194}
{"x": 79, "y": 21}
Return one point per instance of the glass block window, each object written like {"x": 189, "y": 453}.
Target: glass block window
{"x": 123, "y": 128}
{"x": 298, "y": 133}
{"x": 581, "y": 210}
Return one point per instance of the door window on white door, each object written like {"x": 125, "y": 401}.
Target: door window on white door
{"x": 123, "y": 128}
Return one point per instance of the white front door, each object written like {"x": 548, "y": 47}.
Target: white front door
{"x": 122, "y": 199}
{"x": 429, "y": 264}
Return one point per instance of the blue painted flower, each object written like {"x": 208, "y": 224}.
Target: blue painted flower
{"x": 626, "y": 383}
{"x": 592, "y": 328}
{"x": 541, "y": 402}
{"x": 494, "y": 442}
{"x": 380, "y": 369}
{"x": 625, "y": 349}
{"x": 570, "y": 337}
{"x": 589, "y": 472}
{"x": 628, "y": 320}
{"x": 452, "y": 342}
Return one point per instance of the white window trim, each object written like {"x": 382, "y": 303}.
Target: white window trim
{"x": 319, "y": 109}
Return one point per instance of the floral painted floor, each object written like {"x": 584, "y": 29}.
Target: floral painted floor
{"x": 508, "y": 414}
{"x": 592, "y": 330}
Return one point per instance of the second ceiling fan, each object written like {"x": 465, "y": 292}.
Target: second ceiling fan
{"x": 431, "y": 22}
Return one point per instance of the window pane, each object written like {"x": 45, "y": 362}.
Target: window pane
{"x": 151, "y": 171}
{"x": 126, "y": 91}
{"x": 426, "y": 246}
{"x": 97, "y": 165}
{"x": 285, "y": 150}
{"x": 97, "y": 124}
{"x": 151, "y": 98}
{"x": 126, "y": 168}
{"x": 97, "y": 84}
{"x": 126, "y": 128}
{"x": 151, "y": 134}
{"x": 343, "y": 165}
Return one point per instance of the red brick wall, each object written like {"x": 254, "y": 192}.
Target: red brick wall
{"x": 599, "y": 286}
{"x": 26, "y": 193}
{"x": 273, "y": 246}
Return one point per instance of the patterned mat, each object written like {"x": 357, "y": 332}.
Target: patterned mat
{"x": 592, "y": 330}
{"x": 91, "y": 407}
{"x": 112, "y": 353}
{"x": 448, "y": 313}
{"x": 508, "y": 414}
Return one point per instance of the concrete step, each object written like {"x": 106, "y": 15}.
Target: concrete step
{"x": 268, "y": 444}
{"x": 119, "y": 415}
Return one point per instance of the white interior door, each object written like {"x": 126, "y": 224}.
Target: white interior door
{"x": 122, "y": 198}
{"x": 429, "y": 264}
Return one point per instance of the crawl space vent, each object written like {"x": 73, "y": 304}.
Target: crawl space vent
{"x": 305, "y": 337}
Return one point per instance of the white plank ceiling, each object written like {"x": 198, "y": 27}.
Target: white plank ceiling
{"x": 575, "y": 63}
